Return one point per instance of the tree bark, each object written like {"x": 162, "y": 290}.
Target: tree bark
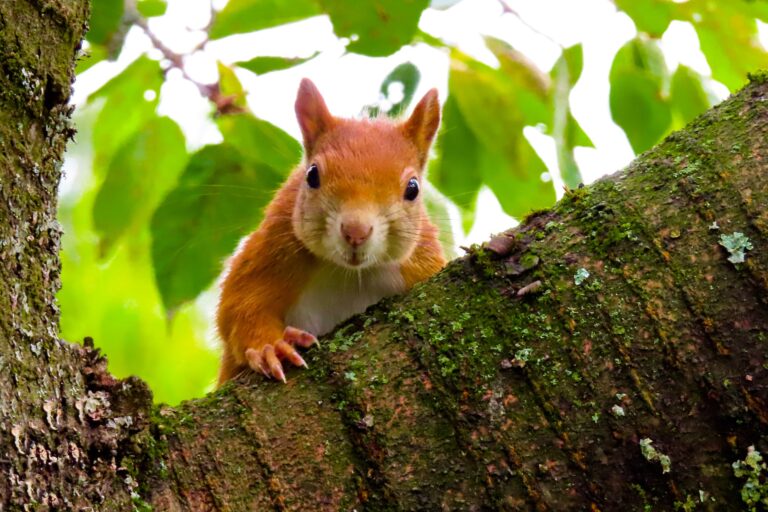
{"x": 604, "y": 355}
{"x": 57, "y": 448}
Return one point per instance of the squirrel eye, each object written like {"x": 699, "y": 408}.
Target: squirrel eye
{"x": 411, "y": 189}
{"x": 313, "y": 176}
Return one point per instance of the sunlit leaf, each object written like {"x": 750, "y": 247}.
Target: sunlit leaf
{"x": 262, "y": 65}
{"x": 518, "y": 195}
{"x": 260, "y": 141}
{"x": 104, "y": 21}
{"x": 730, "y": 44}
{"x": 437, "y": 209}
{"x": 644, "y": 56}
{"x": 240, "y": 16}
{"x": 689, "y": 99}
{"x": 650, "y": 16}
{"x": 575, "y": 134}
{"x": 140, "y": 173}
{"x": 566, "y": 132}
{"x": 219, "y": 199}
{"x": 375, "y": 27}
{"x": 407, "y": 76}
{"x": 131, "y": 99}
{"x": 492, "y": 105}
{"x": 727, "y": 31}
{"x": 639, "y": 79}
{"x": 574, "y": 59}
{"x": 530, "y": 87}
{"x": 455, "y": 171}
{"x": 637, "y": 107}
{"x": 150, "y": 8}
{"x": 490, "y": 102}
{"x": 230, "y": 87}
{"x": 93, "y": 55}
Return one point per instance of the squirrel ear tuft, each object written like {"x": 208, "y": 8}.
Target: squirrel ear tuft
{"x": 421, "y": 127}
{"x": 312, "y": 113}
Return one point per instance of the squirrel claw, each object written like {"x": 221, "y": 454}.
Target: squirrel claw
{"x": 288, "y": 352}
{"x": 298, "y": 337}
{"x": 267, "y": 359}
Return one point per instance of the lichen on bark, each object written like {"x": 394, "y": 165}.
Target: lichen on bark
{"x": 467, "y": 394}
{"x": 503, "y": 383}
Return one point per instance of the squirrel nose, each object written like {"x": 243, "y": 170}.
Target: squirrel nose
{"x": 356, "y": 233}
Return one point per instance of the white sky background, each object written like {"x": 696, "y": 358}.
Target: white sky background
{"x": 350, "y": 81}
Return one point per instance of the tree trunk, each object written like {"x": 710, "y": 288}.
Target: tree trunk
{"x": 55, "y": 450}
{"x": 604, "y": 355}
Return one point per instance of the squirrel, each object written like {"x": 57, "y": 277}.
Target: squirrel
{"x": 346, "y": 229}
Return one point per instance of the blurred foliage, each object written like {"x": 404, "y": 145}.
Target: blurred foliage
{"x": 151, "y": 222}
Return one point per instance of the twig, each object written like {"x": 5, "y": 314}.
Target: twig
{"x": 506, "y": 9}
{"x": 224, "y": 104}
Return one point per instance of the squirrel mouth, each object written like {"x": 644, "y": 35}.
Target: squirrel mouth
{"x": 354, "y": 259}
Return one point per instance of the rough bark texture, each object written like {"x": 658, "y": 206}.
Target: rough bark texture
{"x": 463, "y": 395}
{"x": 635, "y": 388}
{"x": 58, "y": 448}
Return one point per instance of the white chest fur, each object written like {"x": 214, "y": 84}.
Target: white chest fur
{"x": 335, "y": 294}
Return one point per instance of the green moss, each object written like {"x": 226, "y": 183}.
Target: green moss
{"x": 758, "y": 77}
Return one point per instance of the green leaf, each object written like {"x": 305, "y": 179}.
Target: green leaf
{"x": 518, "y": 195}
{"x": 408, "y": 76}
{"x": 262, "y": 65}
{"x": 465, "y": 163}
{"x": 104, "y": 22}
{"x": 639, "y": 81}
{"x": 637, "y": 107}
{"x": 218, "y": 200}
{"x": 93, "y": 55}
{"x": 260, "y": 142}
{"x": 650, "y": 16}
{"x": 530, "y": 87}
{"x": 727, "y": 31}
{"x": 496, "y": 105}
{"x": 230, "y": 86}
{"x": 437, "y": 209}
{"x": 731, "y": 46}
{"x": 141, "y": 172}
{"x": 150, "y": 8}
{"x": 575, "y": 134}
{"x": 641, "y": 55}
{"x": 375, "y": 27}
{"x": 689, "y": 99}
{"x": 455, "y": 170}
{"x": 125, "y": 108}
{"x": 565, "y": 130}
{"x": 573, "y": 56}
{"x": 240, "y": 16}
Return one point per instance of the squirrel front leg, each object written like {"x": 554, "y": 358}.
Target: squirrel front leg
{"x": 258, "y": 290}
{"x": 260, "y": 342}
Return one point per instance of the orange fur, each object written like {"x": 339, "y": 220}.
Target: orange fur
{"x": 364, "y": 167}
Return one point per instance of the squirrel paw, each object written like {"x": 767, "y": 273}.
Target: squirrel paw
{"x": 266, "y": 359}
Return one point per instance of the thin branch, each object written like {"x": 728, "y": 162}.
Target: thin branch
{"x": 506, "y": 9}
{"x": 224, "y": 104}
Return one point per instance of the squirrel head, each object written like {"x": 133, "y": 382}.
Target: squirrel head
{"x": 359, "y": 202}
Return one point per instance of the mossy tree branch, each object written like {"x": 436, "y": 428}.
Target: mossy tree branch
{"x": 605, "y": 354}
{"x": 630, "y": 370}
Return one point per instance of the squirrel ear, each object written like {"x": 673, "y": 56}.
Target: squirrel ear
{"x": 421, "y": 127}
{"x": 312, "y": 113}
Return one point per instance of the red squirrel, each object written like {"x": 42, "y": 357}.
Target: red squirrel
{"x": 347, "y": 228}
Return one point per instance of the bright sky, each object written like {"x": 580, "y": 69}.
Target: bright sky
{"x": 350, "y": 81}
